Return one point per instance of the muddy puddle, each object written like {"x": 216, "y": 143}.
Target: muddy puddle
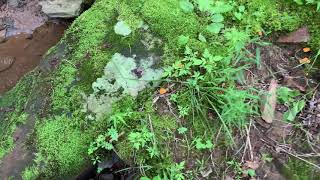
{"x": 22, "y": 53}
{"x": 26, "y": 34}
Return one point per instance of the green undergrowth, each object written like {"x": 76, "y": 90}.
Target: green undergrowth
{"x": 299, "y": 170}
{"x": 164, "y": 135}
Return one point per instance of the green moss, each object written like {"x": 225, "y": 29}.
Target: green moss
{"x": 62, "y": 145}
{"x": 167, "y": 19}
{"x": 30, "y": 173}
{"x": 16, "y": 100}
{"x": 91, "y": 42}
{"x": 126, "y": 14}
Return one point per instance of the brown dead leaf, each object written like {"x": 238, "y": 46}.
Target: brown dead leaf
{"x": 270, "y": 102}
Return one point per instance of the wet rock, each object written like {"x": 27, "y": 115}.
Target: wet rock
{"x": 13, "y": 3}
{"x": 61, "y": 8}
{"x": 6, "y": 62}
{"x": 2, "y": 2}
{"x": 21, "y": 16}
{"x": 301, "y": 35}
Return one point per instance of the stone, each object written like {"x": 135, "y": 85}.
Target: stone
{"x": 301, "y": 35}
{"x": 2, "y": 2}
{"x": 13, "y": 3}
{"x": 61, "y": 8}
{"x": 6, "y": 62}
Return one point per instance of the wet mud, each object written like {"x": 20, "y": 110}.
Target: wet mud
{"x": 23, "y": 52}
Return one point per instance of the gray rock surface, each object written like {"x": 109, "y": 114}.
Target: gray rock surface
{"x": 2, "y": 2}
{"x": 61, "y": 8}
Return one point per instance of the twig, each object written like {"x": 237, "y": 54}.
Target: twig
{"x": 249, "y": 141}
{"x": 298, "y": 157}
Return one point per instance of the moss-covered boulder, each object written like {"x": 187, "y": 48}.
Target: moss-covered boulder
{"x": 98, "y": 89}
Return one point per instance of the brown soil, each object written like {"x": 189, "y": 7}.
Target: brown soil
{"x": 27, "y": 51}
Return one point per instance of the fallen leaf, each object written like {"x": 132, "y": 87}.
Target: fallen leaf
{"x": 163, "y": 91}
{"x": 268, "y": 109}
{"x": 305, "y": 61}
{"x": 306, "y": 49}
{"x": 299, "y": 36}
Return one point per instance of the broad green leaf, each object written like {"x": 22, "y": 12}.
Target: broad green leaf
{"x": 206, "y": 54}
{"x": 251, "y": 172}
{"x": 242, "y": 8}
{"x": 188, "y": 50}
{"x": 300, "y": 2}
{"x": 186, "y": 6}
{"x": 238, "y": 15}
{"x": 156, "y": 178}
{"x": 204, "y": 5}
{"x": 215, "y": 27}
{"x": 197, "y": 62}
{"x": 182, "y": 130}
{"x": 221, "y": 7}
{"x": 145, "y": 178}
{"x": 217, "y": 18}
{"x": 183, "y": 40}
{"x": 202, "y": 38}
{"x": 286, "y": 95}
{"x": 291, "y": 114}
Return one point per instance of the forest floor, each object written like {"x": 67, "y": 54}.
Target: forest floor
{"x": 189, "y": 89}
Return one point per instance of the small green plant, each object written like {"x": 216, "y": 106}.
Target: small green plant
{"x": 236, "y": 166}
{"x": 313, "y": 2}
{"x": 144, "y": 139}
{"x": 100, "y": 142}
{"x": 200, "y": 144}
{"x": 266, "y": 158}
{"x": 288, "y": 97}
{"x": 182, "y": 130}
{"x": 172, "y": 172}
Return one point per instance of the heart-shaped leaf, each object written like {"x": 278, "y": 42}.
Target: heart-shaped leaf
{"x": 217, "y": 18}
{"x": 215, "y": 27}
{"x": 186, "y": 6}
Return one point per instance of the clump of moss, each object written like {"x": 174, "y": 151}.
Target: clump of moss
{"x": 30, "y": 173}
{"x": 62, "y": 145}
